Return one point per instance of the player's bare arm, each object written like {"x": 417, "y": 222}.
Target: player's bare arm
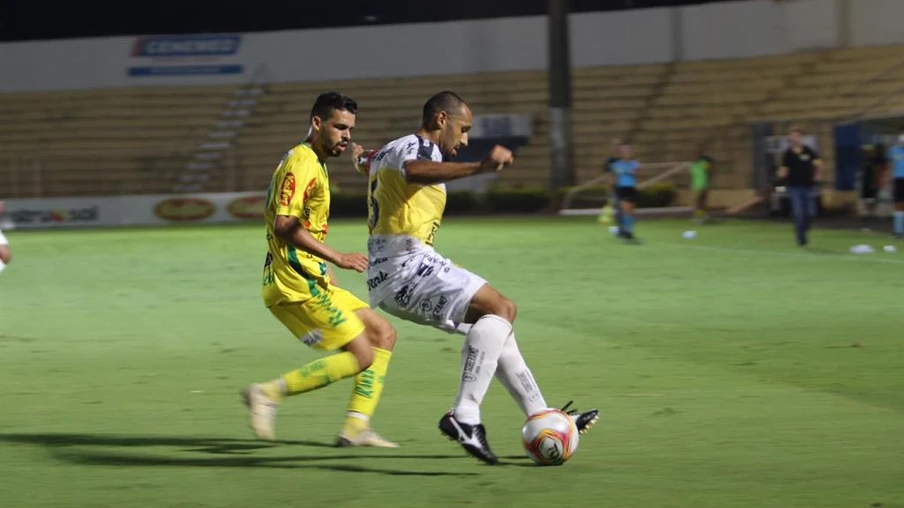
{"x": 360, "y": 158}
{"x": 431, "y": 172}
{"x": 290, "y": 230}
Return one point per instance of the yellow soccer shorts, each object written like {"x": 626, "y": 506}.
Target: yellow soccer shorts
{"x": 326, "y": 322}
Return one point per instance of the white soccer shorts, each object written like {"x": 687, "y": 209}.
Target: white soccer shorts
{"x": 433, "y": 291}
{"x": 3, "y": 240}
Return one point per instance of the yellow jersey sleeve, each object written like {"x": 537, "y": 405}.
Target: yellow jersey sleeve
{"x": 299, "y": 188}
{"x": 300, "y": 179}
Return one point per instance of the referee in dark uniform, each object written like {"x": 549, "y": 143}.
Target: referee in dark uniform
{"x": 801, "y": 169}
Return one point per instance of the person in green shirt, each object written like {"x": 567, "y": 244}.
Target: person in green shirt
{"x": 700, "y": 177}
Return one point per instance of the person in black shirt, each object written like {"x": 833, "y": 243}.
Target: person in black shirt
{"x": 801, "y": 169}
{"x": 876, "y": 162}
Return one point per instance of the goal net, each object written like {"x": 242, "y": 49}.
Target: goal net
{"x": 588, "y": 198}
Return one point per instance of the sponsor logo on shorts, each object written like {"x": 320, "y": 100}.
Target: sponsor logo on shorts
{"x": 184, "y": 209}
{"x": 312, "y": 338}
{"x": 426, "y": 306}
{"x": 374, "y": 282}
{"x": 403, "y": 296}
{"x": 424, "y": 270}
{"x": 467, "y": 372}
{"x": 336, "y": 316}
{"x": 439, "y": 307}
{"x": 376, "y": 244}
{"x": 250, "y": 207}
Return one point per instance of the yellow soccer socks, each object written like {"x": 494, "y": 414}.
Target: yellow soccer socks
{"x": 312, "y": 376}
{"x": 366, "y": 394}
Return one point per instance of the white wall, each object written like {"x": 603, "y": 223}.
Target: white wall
{"x": 810, "y": 24}
{"x": 757, "y": 28}
{"x": 619, "y": 38}
{"x": 351, "y": 53}
{"x": 877, "y": 22}
{"x": 734, "y": 29}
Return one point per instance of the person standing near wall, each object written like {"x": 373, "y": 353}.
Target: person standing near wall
{"x": 611, "y": 207}
{"x": 871, "y": 178}
{"x": 700, "y": 180}
{"x": 896, "y": 162}
{"x": 624, "y": 178}
{"x": 801, "y": 169}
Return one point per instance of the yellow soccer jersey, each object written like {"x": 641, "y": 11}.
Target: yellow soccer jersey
{"x": 300, "y": 187}
{"x": 399, "y": 208}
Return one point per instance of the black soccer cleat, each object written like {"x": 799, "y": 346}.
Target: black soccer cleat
{"x": 473, "y": 438}
{"x": 583, "y": 421}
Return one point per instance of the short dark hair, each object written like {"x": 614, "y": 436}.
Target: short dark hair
{"x": 328, "y": 102}
{"x": 447, "y": 101}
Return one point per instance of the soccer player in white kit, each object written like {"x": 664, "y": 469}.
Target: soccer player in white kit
{"x": 410, "y": 280}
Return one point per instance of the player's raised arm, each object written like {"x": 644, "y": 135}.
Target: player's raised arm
{"x": 430, "y": 172}
{"x": 361, "y": 158}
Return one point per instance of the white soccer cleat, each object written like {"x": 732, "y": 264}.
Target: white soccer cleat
{"x": 367, "y": 437}
{"x": 261, "y": 412}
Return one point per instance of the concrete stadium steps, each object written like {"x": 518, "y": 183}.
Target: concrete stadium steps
{"x": 142, "y": 139}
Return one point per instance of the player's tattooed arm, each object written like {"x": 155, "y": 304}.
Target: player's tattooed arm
{"x": 431, "y": 172}
{"x": 289, "y": 230}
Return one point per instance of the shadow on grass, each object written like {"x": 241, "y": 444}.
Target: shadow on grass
{"x": 85, "y": 449}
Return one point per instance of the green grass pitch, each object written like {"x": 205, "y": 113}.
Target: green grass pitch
{"x": 731, "y": 370}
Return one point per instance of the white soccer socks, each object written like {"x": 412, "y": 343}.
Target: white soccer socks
{"x": 517, "y": 378}
{"x": 479, "y": 358}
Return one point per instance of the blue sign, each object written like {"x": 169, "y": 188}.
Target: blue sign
{"x": 847, "y": 156}
{"x": 185, "y": 70}
{"x": 186, "y": 45}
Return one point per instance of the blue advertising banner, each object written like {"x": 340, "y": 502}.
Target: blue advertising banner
{"x": 185, "y": 55}
{"x": 847, "y": 156}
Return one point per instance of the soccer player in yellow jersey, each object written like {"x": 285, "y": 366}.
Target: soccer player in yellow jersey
{"x": 297, "y": 285}
{"x": 409, "y": 279}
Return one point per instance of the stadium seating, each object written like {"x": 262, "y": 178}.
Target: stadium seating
{"x": 221, "y": 138}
